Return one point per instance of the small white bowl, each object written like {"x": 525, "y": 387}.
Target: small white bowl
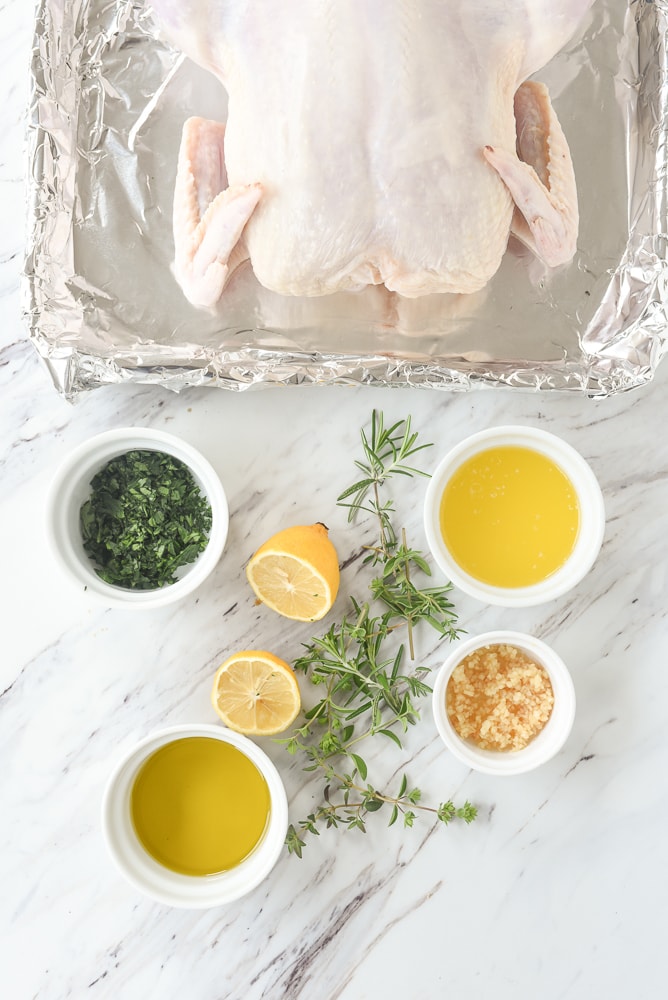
{"x": 545, "y": 744}
{"x": 592, "y": 516}
{"x": 71, "y": 487}
{"x": 158, "y": 882}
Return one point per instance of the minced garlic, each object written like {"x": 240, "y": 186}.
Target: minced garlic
{"x": 499, "y": 698}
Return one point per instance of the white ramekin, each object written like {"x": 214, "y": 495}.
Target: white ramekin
{"x": 158, "y": 882}
{"x": 592, "y": 516}
{"x": 549, "y": 740}
{"x": 71, "y": 487}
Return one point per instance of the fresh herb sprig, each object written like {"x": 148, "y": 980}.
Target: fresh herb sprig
{"x": 359, "y": 662}
{"x": 386, "y": 454}
{"x": 145, "y": 518}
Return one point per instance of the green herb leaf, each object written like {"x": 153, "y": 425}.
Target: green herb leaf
{"x": 360, "y": 765}
{"x": 373, "y": 804}
{"x": 390, "y": 735}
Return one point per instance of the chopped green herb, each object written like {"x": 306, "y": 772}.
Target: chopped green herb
{"x": 144, "y": 519}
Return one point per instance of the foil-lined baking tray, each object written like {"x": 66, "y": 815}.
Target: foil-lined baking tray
{"x": 108, "y": 100}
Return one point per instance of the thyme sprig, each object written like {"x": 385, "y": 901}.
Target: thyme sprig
{"x": 353, "y": 813}
{"x": 359, "y": 662}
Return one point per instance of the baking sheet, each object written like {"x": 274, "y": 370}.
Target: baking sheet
{"x": 108, "y": 100}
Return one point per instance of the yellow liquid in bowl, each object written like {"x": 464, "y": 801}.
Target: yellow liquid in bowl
{"x": 510, "y": 516}
{"x": 199, "y": 806}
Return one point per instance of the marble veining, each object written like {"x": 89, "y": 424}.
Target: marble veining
{"x": 557, "y": 891}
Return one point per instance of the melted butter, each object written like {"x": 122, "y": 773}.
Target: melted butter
{"x": 510, "y": 516}
{"x": 199, "y": 806}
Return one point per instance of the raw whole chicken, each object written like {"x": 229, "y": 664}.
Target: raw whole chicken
{"x": 391, "y": 142}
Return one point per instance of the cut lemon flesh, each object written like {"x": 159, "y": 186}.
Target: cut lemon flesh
{"x": 290, "y": 586}
{"x": 296, "y": 573}
{"x": 256, "y": 693}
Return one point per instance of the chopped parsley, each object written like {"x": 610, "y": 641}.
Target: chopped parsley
{"x": 144, "y": 519}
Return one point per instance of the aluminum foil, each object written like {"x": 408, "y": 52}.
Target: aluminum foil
{"x": 108, "y": 100}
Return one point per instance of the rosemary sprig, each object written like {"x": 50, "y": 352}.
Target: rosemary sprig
{"x": 359, "y": 662}
{"x": 386, "y": 455}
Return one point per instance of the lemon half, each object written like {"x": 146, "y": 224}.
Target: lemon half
{"x": 296, "y": 573}
{"x": 256, "y": 693}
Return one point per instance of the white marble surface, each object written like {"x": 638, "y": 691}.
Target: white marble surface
{"x": 557, "y": 891}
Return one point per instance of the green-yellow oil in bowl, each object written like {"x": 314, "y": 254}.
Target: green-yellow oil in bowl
{"x": 510, "y": 516}
{"x": 199, "y": 806}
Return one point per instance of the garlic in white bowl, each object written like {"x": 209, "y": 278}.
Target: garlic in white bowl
{"x": 512, "y": 710}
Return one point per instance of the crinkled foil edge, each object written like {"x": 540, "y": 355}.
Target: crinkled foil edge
{"x": 627, "y": 337}
{"x": 621, "y": 347}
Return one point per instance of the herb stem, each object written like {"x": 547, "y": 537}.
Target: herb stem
{"x": 409, "y": 621}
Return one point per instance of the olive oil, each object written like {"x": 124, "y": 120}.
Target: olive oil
{"x": 199, "y": 805}
{"x": 510, "y": 516}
